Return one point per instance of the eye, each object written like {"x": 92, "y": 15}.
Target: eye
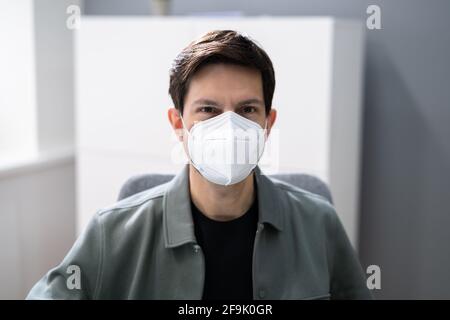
{"x": 208, "y": 109}
{"x": 248, "y": 109}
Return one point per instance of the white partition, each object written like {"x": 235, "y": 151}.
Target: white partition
{"x": 37, "y": 220}
{"x": 37, "y": 169}
{"x": 122, "y": 84}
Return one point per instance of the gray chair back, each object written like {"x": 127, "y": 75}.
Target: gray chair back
{"x": 306, "y": 182}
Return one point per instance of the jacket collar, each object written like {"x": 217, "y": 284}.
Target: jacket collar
{"x": 177, "y": 218}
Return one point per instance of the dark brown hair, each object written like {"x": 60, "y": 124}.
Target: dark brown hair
{"x": 220, "y": 46}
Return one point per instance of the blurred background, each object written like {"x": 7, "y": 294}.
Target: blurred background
{"x": 363, "y": 95}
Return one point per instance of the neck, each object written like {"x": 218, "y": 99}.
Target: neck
{"x": 221, "y": 203}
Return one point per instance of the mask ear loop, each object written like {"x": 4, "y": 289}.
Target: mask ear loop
{"x": 188, "y": 152}
{"x": 182, "y": 121}
{"x": 266, "y": 134}
{"x": 265, "y": 140}
{"x": 185, "y": 130}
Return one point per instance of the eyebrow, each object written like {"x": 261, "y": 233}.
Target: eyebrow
{"x": 206, "y": 102}
{"x": 214, "y": 103}
{"x": 251, "y": 101}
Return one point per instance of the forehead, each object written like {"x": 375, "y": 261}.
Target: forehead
{"x": 220, "y": 80}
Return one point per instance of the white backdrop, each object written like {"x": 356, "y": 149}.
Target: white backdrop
{"x": 122, "y": 67}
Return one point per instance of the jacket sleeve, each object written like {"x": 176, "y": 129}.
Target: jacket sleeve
{"x": 78, "y": 275}
{"x": 347, "y": 278}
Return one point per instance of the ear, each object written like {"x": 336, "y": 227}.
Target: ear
{"x": 271, "y": 117}
{"x": 175, "y": 121}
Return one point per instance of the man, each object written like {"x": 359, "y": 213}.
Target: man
{"x": 220, "y": 229}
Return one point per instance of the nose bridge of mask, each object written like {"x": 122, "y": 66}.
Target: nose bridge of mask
{"x": 217, "y": 121}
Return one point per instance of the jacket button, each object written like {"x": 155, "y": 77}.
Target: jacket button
{"x": 196, "y": 248}
{"x": 260, "y": 227}
{"x": 262, "y": 293}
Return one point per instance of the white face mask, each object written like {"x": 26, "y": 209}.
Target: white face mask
{"x": 225, "y": 148}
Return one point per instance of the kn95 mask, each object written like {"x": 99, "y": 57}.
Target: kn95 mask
{"x": 225, "y": 148}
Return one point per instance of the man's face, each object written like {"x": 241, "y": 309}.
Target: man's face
{"x": 218, "y": 88}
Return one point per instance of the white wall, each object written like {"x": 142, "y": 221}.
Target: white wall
{"x": 122, "y": 81}
{"x": 54, "y": 74}
{"x": 37, "y": 180}
{"x": 37, "y": 220}
{"x": 17, "y": 76}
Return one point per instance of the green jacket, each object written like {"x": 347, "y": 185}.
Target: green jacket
{"x": 144, "y": 247}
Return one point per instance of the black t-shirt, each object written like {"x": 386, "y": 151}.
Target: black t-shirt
{"x": 228, "y": 251}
